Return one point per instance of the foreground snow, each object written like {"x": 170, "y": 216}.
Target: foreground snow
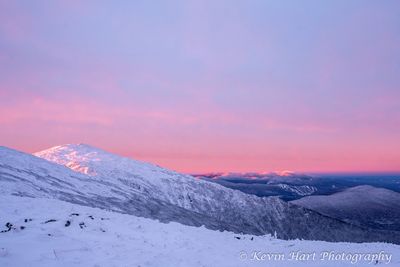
{"x": 57, "y": 233}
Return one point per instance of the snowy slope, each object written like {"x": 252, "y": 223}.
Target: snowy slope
{"x": 364, "y": 205}
{"x": 27, "y": 175}
{"x": 55, "y": 233}
{"x": 111, "y": 182}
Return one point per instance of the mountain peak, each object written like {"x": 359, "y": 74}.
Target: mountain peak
{"x": 81, "y": 147}
{"x": 69, "y": 151}
{"x": 79, "y": 157}
{"x": 93, "y": 161}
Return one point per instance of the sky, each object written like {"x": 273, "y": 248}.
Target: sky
{"x": 206, "y": 86}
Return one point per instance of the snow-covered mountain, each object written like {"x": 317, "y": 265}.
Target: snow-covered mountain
{"x": 99, "y": 179}
{"x": 362, "y": 205}
{"x": 48, "y": 232}
{"x": 301, "y": 190}
{"x": 286, "y": 185}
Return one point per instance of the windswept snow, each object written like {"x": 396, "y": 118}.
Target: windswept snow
{"x": 47, "y": 232}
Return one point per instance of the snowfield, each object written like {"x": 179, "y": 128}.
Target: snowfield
{"x": 49, "y": 232}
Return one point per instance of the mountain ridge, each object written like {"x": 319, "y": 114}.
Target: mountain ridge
{"x": 150, "y": 191}
{"x": 363, "y": 205}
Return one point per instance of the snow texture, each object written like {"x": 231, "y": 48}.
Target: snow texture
{"x": 40, "y": 235}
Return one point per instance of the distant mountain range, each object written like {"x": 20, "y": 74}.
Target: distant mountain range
{"x": 88, "y": 176}
{"x": 291, "y": 186}
{"x": 287, "y": 185}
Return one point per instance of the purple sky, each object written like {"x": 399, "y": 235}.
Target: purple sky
{"x": 202, "y": 86}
